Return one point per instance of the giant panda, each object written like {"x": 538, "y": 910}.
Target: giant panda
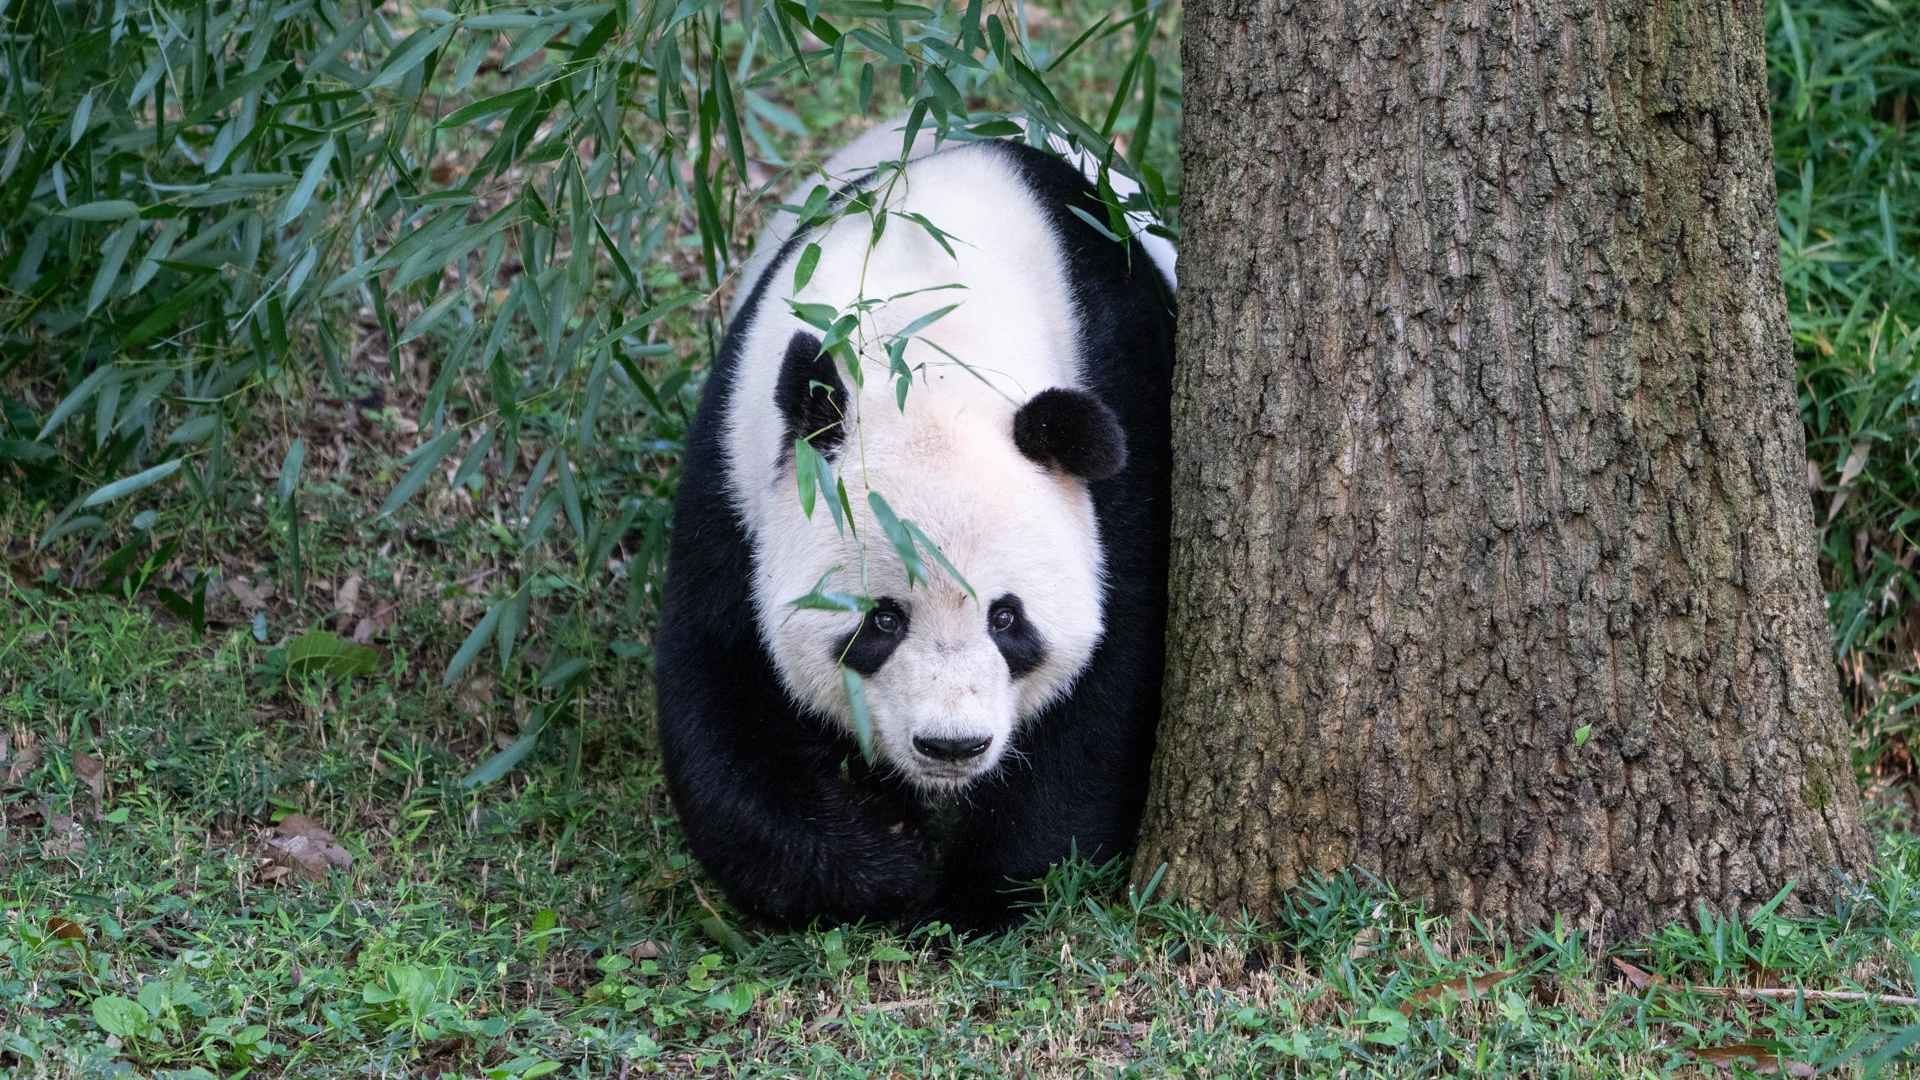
{"x": 1010, "y": 699}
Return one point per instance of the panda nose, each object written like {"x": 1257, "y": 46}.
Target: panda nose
{"x": 956, "y": 749}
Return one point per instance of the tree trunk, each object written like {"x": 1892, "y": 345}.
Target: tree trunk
{"x": 1493, "y": 565}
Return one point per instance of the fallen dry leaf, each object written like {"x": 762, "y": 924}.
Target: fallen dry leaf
{"x": 304, "y": 846}
{"x": 64, "y": 929}
{"x": 373, "y": 624}
{"x": 1849, "y": 472}
{"x": 1753, "y": 1057}
{"x": 1856, "y": 461}
{"x": 1636, "y": 977}
{"x": 251, "y": 598}
{"x": 64, "y": 837}
{"x": 1463, "y": 986}
{"x": 91, "y": 773}
{"x": 25, "y": 759}
{"x": 346, "y": 599}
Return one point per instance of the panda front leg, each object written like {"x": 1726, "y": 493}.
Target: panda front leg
{"x": 1076, "y": 788}
{"x": 767, "y": 808}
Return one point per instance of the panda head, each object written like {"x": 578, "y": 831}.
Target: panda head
{"x": 949, "y": 676}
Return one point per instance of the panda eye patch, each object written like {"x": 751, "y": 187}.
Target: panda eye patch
{"x": 869, "y": 645}
{"x": 1016, "y": 637}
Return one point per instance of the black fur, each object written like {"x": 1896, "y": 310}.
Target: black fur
{"x": 1020, "y": 643}
{"x": 810, "y": 395}
{"x": 1071, "y": 430}
{"x": 867, "y": 648}
{"x": 777, "y": 805}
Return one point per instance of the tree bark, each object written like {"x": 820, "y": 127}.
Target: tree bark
{"x": 1493, "y": 565}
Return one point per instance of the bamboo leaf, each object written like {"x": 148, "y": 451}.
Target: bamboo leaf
{"x": 862, "y": 715}
{"x": 476, "y": 640}
{"x": 410, "y": 54}
{"x": 835, "y": 505}
{"x": 1143, "y": 127}
{"x": 162, "y": 317}
{"x": 1061, "y": 58}
{"x": 946, "y": 93}
{"x": 570, "y": 497}
{"x": 476, "y": 456}
{"x": 105, "y": 210}
{"x": 806, "y": 469}
{"x": 487, "y": 106}
{"x": 513, "y": 620}
{"x": 596, "y": 393}
{"x": 425, "y": 321}
{"x": 298, "y": 276}
{"x": 729, "y": 115}
{"x": 74, "y": 399}
{"x": 81, "y": 115}
{"x": 504, "y": 762}
{"x": 423, "y": 466}
{"x": 846, "y": 507}
{"x": 1098, "y": 225}
{"x": 309, "y": 182}
{"x": 563, "y": 672}
{"x": 290, "y": 468}
{"x": 129, "y": 485}
{"x": 924, "y": 321}
{"x": 899, "y": 537}
{"x": 194, "y": 430}
{"x": 821, "y": 598}
{"x": 803, "y": 268}
{"x": 112, "y": 258}
{"x": 613, "y": 251}
{"x": 598, "y": 36}
{"x": 921, "y": 538}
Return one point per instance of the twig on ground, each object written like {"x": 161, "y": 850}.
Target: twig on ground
{"x": 1641, "y": 980}
{"x": 1789, "y": 993}
{"x": 882, "y": 1006}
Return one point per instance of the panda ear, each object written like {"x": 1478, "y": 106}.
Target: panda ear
{"x": 1073, "y": 431}
{"x": 810, "y": 396}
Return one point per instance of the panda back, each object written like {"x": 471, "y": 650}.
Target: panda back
{"x": 1013, "y": 328}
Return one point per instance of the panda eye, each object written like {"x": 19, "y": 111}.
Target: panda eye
{"x": 886, "y": 622}
{"x": 1001, "y": 619}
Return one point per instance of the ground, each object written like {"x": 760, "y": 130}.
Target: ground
{"x": 397, "y": 921}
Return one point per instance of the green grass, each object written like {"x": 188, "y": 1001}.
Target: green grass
{"x": 1846, "y": 110}
{"x": 555, "y": 918}
{"x": 547, "y": 914}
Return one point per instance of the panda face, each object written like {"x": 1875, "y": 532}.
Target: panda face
{"x": 944, "y": 691}
{"x": 948, "y": 675}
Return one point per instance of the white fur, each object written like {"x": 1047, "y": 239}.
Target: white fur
{"x": 881, "y": 143}
{"x": 947, "y": 463}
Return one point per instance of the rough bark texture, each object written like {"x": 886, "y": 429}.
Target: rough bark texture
{"x": 1493, "y": 562}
